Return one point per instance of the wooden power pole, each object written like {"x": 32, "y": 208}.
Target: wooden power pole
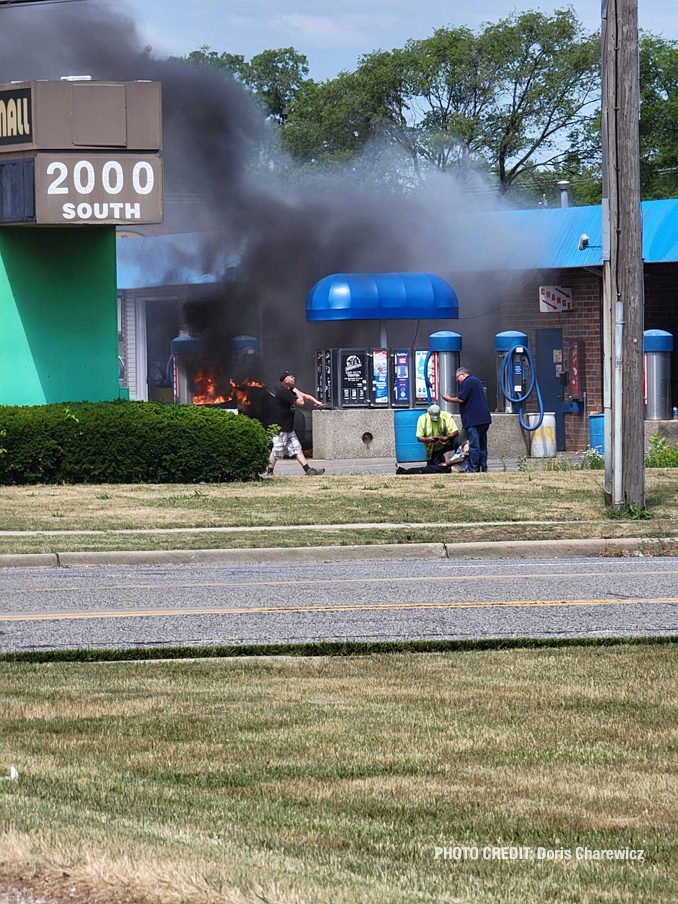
{"x": 623, "y": 290}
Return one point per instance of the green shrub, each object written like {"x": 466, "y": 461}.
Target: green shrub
{"x": 592, "y": 460}
{"x": 271, "y": 432}
{"x": 661, "y": 454}
{"x": 128, "y": 442}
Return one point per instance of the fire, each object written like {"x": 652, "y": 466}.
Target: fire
{"x": 206, "y": 392}
{"x": 240, "y": 391}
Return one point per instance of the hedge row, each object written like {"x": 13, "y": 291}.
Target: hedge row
{"x": 128, "y": 442}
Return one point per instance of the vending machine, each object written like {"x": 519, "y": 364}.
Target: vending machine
{"x": 354, "y": 378}
{"x": 401, "y": 378}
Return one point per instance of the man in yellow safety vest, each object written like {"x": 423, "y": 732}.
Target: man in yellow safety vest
{"x": 437, "y": 430}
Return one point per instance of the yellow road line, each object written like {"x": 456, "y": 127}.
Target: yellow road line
{"x": 324, "y": 581}
{"x": 155, "y": 613}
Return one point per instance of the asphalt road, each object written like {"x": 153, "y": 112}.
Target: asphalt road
{"x": 359, "y": 600}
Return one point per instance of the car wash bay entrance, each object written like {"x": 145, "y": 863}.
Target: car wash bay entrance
{"x": 549, "y": 368}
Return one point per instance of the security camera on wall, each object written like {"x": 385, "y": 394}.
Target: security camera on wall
{"x": 583, "y": 242}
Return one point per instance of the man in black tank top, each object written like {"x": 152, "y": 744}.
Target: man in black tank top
{"x": 283, "y": 406}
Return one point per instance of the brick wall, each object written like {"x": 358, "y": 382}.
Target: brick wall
{"x": 520, "y": 311}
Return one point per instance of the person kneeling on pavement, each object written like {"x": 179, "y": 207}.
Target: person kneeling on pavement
{"x": 437, "y": 430}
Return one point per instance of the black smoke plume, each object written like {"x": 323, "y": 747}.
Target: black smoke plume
{"x": 287, "y": 233}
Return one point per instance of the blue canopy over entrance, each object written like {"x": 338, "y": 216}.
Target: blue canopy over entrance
{"x": 382, "y": 296}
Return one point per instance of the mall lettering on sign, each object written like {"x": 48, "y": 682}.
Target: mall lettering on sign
{"x": 15, "y": 116}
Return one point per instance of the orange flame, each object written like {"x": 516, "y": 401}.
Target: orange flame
{"x": 206, "y": 393}
{"x": 239, "y": 392}
{"x": 206, "y": 390}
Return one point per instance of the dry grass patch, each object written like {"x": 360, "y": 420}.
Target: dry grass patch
{"x": 573, "y": 496}
{"x": 332, "y": 780}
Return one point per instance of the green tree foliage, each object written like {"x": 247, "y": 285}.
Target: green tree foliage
{"x": 549, "y": 85}
{"x": 659, "y": 117}
{"x": 518, "y": 99}
{"x": 508, "y": 98}
{"x": 274, "y": 76}
{"x": 230, "y": 62}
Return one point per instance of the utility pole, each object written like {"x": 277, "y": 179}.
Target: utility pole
{"x": 623, "y": 290}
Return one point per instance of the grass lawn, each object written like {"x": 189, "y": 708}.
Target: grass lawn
{"x": 574, "y": 497}
{"x": 333, "y": 780}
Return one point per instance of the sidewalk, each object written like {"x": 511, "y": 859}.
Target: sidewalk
{"x": 290, "y": 468}
{"x": 286, "y": 528}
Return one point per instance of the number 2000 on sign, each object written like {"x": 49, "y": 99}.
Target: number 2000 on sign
{"x": 112, "y": 178}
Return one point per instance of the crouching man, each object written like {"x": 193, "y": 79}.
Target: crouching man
{"x": 437, "y": 430}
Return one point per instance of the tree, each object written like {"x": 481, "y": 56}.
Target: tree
{"x": 658, "y": 117}
{"x": 230, "y": 62}
{"x": 510, "y": 98}
{"x": 274, "y": 76}
{"x": 548, "y": 87}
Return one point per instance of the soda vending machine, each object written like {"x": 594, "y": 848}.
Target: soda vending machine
{"x": 380, "y": 394}
{"x": 420, "y": 394}
{"x": 401, "y": 385}
{"x": 354, "y": 378}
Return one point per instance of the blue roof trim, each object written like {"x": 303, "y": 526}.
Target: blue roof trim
{"x": 544, "y": 239}
{"x": 382, "y": 296}
{"x": 548, "y": 238}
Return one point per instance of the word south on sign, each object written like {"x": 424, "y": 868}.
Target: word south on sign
{"x": 74, "y": 189}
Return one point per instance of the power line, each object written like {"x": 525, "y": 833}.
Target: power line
{"x": 17, "y": 4}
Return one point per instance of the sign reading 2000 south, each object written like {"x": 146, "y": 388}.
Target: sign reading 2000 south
{"x": 97, "y": 188}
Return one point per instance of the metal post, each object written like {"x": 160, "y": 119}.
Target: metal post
{"x": 607, "y": 284}
{"x": 563, "y": 185}
{"x": 607, "y": 378}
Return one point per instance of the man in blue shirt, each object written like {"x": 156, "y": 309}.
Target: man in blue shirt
{"x": 475, "y": 417}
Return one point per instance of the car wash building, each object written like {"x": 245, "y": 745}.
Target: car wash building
{"x": 77, "y": 159}
{"x": 544, "y": 287}
{"x": 553, "y": 294}
{"x": 545, "y": 295}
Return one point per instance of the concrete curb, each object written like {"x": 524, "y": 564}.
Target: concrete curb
{"x": 262, "y": 556}
{"x": 511, "y": 549}
{"x": 30, "y": 560}
{"x": 560, "y": 549}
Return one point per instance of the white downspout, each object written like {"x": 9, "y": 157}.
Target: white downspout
{"x": 617, "y": 500}
{"x": 607, "y": 376}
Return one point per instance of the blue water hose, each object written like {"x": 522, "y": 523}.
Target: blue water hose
{"x": 533, "y": 384}
{"x": 426, "y": 379}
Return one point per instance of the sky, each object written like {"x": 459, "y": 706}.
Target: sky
{"x": 334, "y": 33}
